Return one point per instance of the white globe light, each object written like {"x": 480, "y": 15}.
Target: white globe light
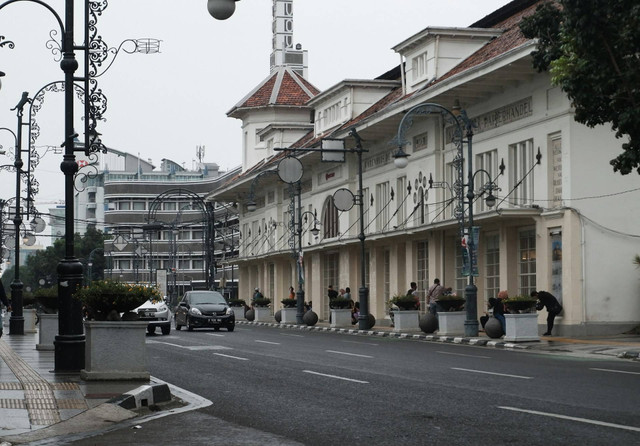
{"x": 221, "y": 9}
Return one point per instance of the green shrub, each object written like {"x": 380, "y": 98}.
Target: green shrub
{"x": 102, "y": 297}
{"x": 289, "y": 303}
{"x": 340, "y": 302}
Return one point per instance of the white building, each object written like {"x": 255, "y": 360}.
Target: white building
{"x": 556, "y": 225}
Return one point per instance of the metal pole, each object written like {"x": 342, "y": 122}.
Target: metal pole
{"x": 363, "y": 292}
{"x": 70, "y": 341}
{"x": 16, "y": 321}
{"x": 471, "y": 291}
{"x": 300, "y": 293}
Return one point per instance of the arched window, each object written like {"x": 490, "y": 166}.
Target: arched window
{"x": 330, "y": 222}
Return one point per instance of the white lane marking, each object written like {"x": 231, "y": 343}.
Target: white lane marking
{"x": 215, "y": 334}
{"x": 462, "y": 354}
{"x": 349, "y": 354}
{"x": 294, "y": 335}
{"x": 232, "y": 357}
{"x": 336, "y": 377}
{"x": 616, "y": 371}
{"x": 565, "y": 417}
{"x": 267, "y": 342}
{"x": 361, "y": 343}
{"x": 193, "y": 347}
{"x": 493, "y": 373}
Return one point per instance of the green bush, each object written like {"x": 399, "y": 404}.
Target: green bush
{"x": 404, "y": 301}
{"x": 340, "y": 302}
{"x": 237, "y": 302}
{"x": 261, "y": 302}
{"x": 289, "y": 303}
{"x": 103, "y": 297}
{"x": 47, "y": 298}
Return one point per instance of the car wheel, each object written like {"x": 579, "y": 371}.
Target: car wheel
{"x": 151, "y": 329}
{"x": 231, "y": 327}
{"x": 166, "y": 330}
{"x": 178, "y": 326}
{"x": 189, "y": 326}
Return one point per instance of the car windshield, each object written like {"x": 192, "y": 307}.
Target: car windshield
{"x": 206, "y": 297}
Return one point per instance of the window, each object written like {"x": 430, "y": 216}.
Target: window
{"x": 401, "y": 200}
{"x": 138, "y": 205}
{"x": 330, "y": 222}
{"x": 331, "y": 274}
{"x": 489, "y": 162}
{"x": 91, "y": 197}
{"x": 521, "y": 160}
{"x": 124, "y": 206}
{"x": 382, "y": 202}
{"x": 366, "y": 211}
{"x": 450, "y": 200}
{"x": 272, "y": 280}
{"x": 169, "y": 206}
{"x": 419, "y": 66}
{"x": 492, "y": 266}
{"x": 461, "y": 281}
{"x": 527, "y": 261}
{"x": 198, "y": 264}
{"x": 333, "y": 114}
{"x": 422, "y": 274}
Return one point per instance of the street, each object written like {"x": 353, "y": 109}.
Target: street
{"x": 283, "y": 386}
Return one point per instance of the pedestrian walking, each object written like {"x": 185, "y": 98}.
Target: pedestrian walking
{"x": 331, "y": 292}
{"x": 434, "y": 292}
{"x": 548, "y": 300}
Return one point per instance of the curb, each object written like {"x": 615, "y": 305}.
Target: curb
{"x": 143, "y": 396}
{"x": 391, "y": 334}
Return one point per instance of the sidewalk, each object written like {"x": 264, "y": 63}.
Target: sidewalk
{"x": 36, "y": 403}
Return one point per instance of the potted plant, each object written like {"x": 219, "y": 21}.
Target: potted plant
{"x": 115, "y": 346}
{"x": 520, "y": 304}
{"x": 288, "y": 314}
{"x": 340, "y": 309}
{"x": 47, "y": 303}
{"x": 407, "y": 317}
{"x": 238, "y": 306}
{"x": 450, "y": 302}
{"x": 521, "y": 323}
{"x": 261, "y": 309}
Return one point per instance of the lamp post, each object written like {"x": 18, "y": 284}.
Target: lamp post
{"x": 463, "y": 128}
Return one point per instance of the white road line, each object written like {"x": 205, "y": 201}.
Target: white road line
{"x": 294, "y": 335}
{"x": 166, "y": 343}
{"x": 616, "y": 371}
{"x": 361, "y": 343}
{"x": 348, "y": 354}
{"x": 580, "y": 420}
{"x": 267, "y": 342}
{"x": 336, "y": 377}
{"x": 462, "y": 354}
{"x": 215, "y": 334}
{"x": 193, "y": 347}
{"x": 232, "y": 357}
{"x": 493, "y": 373}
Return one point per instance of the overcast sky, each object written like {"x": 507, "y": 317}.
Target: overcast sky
{"x": 164, "y": 105}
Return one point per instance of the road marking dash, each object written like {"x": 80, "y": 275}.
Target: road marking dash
{"x": 267, "y": 342}
{"x": 566, "y": 417}
{"x": 462, "y": 354}
{"x": 616, "y": 371}
{"x": 348, "y": 354}
{"x": 215, "y": 334}
{"x": 336, "y": 377}
{"x": 492, "y": 373}
{"x": 232, "y": 357}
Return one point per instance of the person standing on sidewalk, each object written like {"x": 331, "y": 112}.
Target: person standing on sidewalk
{"x": 433, "y": 294}
{"x": 5, "y": 302}
{"x": 548, "y": 300}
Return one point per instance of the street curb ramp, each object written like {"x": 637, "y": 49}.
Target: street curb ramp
{"x": 143, "y": 396}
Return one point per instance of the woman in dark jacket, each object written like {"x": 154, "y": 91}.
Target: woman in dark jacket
{"x": 5, "y": 302}
{"x": 548, "y": 300}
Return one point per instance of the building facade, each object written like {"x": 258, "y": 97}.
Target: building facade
{"x": 555, "y": 224}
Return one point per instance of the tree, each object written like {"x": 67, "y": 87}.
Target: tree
{"x": 592, "y": 50}
{"x": 44, "y": 264}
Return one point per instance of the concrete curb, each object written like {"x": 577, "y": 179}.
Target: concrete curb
{"x": 391, "y": 334}
{"x": 143, "y": 396}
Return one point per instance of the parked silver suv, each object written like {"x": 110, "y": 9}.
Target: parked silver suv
{"x": 156, "y": 314}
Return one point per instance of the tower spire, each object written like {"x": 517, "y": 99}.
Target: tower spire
{"x": 283, "y": 53}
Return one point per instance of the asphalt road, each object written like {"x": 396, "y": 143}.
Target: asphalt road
{"x": 273, "y": 386}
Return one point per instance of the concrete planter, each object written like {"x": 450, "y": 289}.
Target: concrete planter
{"x": 289, "y": 315}
{"x": 406, "y": 320}
{"x": 521, "y": 327}
{"x": 115, "y": 350}
{"x": 29, "y": 315}
{"x": 238, "y": 312}
{"x": 263, "y": 314}
{"x": 48, "y": 331}
{"x": 451, "y": 322}
{"x": 340, "y": 317}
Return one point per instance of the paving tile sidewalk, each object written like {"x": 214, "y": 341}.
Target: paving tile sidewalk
{"x": 33, "y": 397}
